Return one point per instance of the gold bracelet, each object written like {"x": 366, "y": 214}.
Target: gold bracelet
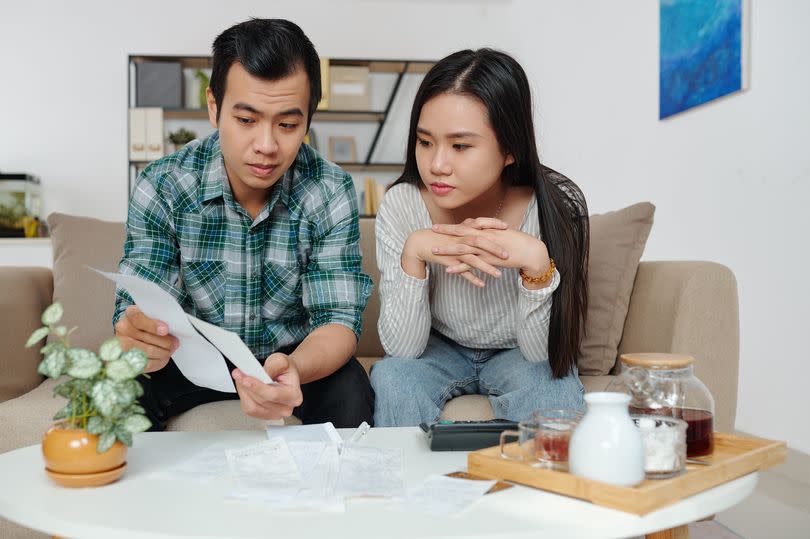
{"x": 540, "y": 279}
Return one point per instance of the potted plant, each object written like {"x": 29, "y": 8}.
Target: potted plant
{"x": 181, "y": 137}
{"x": 87, "y": 445}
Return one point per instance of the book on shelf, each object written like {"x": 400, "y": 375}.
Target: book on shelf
{"x": 373, "y": 192}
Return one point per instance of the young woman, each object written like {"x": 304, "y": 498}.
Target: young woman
{"x": 483, "y": 254}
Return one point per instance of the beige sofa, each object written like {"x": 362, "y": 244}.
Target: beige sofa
{"x": 687, "y": 307}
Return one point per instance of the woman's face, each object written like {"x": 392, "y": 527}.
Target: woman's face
{"x": 457, "y": 153}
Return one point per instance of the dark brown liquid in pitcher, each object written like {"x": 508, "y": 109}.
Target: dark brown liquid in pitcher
{"x": 699, "y": 430}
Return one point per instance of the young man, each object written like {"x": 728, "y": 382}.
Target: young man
{"x": 252, "y": 230}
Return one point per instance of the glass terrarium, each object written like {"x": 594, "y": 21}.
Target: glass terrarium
{"x": 19, "y": 205}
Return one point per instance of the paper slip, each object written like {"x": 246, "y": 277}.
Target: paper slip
{"x": 318, "y": 464}
{"x": 370, "y": 471}
{"x": 202, "y": 345}
{"x": 441, "y": 495}
{"x": 321, "y": 432}
{"x": 267, "y": 464}
{"x": 202, "y": 466}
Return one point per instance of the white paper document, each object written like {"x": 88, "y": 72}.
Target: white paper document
{"x": 370, "y": 471}
{"x": 441, "y": 495}
{"x": 202, "y": 345}
{"x": 317, "y": 464}
{"x": 267, "y": 464}
{"x": 320, "y": 432}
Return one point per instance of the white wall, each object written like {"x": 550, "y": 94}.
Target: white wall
{"x": 730, "y": 180}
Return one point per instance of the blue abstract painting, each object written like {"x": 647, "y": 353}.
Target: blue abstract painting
{"x": 701, "y": 52}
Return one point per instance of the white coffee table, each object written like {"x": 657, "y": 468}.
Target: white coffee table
{"x": 139, "y": 506}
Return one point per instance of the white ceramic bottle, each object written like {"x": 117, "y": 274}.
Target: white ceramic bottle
{"x": 606, "y": 445}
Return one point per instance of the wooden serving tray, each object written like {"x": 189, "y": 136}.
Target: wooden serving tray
{"x": 733, "y": 457}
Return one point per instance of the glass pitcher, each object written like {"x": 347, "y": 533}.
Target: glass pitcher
{"x": 665, "y": 384}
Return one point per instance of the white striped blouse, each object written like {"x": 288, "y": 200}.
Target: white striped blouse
{"x": 502, "y": 314}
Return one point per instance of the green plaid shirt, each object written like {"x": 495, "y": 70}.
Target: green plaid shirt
{"x": 272, "y": 279}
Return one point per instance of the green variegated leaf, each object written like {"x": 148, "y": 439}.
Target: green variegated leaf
{"x": 83, "y": 363}
{"x": 136, "y": 423}
{"x": 52, "y": 314}
{"x": 136, "y": 385}
{"x": 136, "y": 409}
{"x": 61, "y": 331}
{"x": 105, "y": 397}
{"x": 36, "y": 336}
{"x": 119, "y": 370}
{"x": 51, "y": 347}
{"x": 84, "y": 387}
{"x": 98, "y": 425}
{"x": 110, "y": 349}
{"x": 64, "y": 412}
{"x": 136, "y": 358}
{"x": 64, "y": 389}
{"x": 124, "y": 436}
{"x": 124, "y": 393}
{"x": 105, "y": 441}
{"x": 53, "y": 365}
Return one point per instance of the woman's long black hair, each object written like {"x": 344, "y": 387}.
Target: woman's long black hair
{"x": 499, "y": 82}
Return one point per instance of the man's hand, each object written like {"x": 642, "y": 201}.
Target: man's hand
{"x": 136, "y": 330}
{"x": 270, "y": 401}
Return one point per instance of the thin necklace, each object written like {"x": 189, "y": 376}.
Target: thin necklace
{"x": 500, "y": 207}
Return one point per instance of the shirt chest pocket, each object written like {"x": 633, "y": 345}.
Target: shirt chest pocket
{"x": 282, "y": 288}
{"x": 202, "y": 267}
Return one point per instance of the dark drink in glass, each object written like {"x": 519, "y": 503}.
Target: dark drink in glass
{"x": 699, "y": 433}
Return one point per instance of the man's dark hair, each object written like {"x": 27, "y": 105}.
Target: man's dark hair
{"x": 270, "y": 49}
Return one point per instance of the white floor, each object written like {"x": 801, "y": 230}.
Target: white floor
{"x": 778, "y": 509}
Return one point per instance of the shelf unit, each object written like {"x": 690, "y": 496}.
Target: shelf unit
{"x": 388, "y": 99}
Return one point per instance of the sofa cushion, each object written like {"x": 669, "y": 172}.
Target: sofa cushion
{"x": 26, "y": 418}
{"x": 88, "y": 298}
{"x": 24, "y": 294}
{"x": 617, "y": 243}
{"x": 221, "y": 415}
{"x": 369, "y": 344}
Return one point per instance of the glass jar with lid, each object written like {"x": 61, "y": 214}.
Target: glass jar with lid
{"x": 666, "y": 385}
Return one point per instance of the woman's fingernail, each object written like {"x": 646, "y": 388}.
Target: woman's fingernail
{"x": 434, "y": 250}
{"x": 504, "y": 254}
{"x": 246, "y": 382}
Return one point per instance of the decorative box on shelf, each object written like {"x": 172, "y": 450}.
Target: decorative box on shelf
{"x": 145, "y": 133}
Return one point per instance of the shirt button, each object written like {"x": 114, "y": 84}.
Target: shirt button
{"x": 252, "y": 317}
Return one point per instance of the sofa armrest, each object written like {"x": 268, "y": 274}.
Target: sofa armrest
{"x": 24, "y": 293}
{"x": 690, "y": 307}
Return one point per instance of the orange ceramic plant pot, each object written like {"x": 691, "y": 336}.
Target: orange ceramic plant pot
{"x": 71, "y": 458}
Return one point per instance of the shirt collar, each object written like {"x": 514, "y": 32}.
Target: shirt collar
{"x": 214, "y": 176}
{"x": 215, "y": 179}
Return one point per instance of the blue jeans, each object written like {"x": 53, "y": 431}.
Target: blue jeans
{"x": 412, "y": 391}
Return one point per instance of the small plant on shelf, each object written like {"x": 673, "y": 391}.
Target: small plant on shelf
{"x": 181, "y": 137}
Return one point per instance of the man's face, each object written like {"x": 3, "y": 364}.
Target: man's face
{"x": 261, "y": 127}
